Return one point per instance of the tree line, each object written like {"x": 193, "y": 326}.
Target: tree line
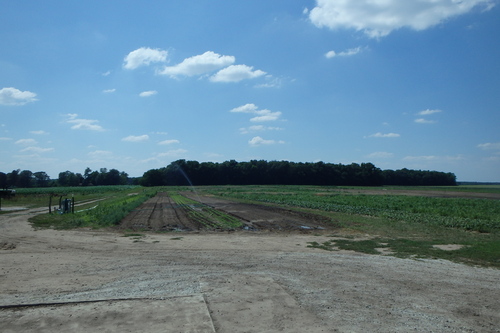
{"x": 27, "y": 179}
{"x": 254, "y": 172}
{"x": 261, "y": 172}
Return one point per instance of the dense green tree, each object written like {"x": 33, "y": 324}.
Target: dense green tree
{"x": 3, "y": 180}
{"x": 182, "y": 172}
{"x": 41, "y": 179}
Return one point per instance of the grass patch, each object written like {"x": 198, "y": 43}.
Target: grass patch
{"x": 110, "y": 210}
{"x": 479, "y": 253}
{"x": 176, "y": 238}
{"x": 328, "y": 245}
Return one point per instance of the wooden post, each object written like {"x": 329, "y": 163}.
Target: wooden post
{"x": 50, "y": 204}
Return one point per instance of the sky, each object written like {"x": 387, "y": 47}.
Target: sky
{"x": 135, "y": 85}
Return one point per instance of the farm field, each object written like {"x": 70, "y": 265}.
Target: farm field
{"x": 299, "y": 258}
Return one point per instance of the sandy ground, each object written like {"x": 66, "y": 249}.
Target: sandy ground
{"x": 86, "y": 280}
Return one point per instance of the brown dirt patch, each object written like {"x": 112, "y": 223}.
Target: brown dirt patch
{"x": 161, "y": 213}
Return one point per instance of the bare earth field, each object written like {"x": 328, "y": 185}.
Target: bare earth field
{"x": 264, "y": 279}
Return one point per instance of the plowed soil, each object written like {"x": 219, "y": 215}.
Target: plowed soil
{"x": 161, "y": 213}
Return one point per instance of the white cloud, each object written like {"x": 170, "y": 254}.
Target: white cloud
{"x": 37, "y": 150}
{"x": 347, "y": 53}
{"x": 380, "y": 154}
{"x": 262, "y": 115}
{"x": 271, "y": 82}
{"x": 247, "y": 108}
{"x": 148, "y": 93}
{"x": 428, "y": 112}
{"x": 199, "y": 64}
{"x": 13, "y": 96}
{"x": 386, "y": 135}
{"x": 424, "y": 121}
{"x": 83, "y": 124}
{"x": 138, "y": 138}
{"x": 258, "y": 141}
{"x": 168, "y": 142}
{"x": 258, "y": 128}
{"x": 41, "y": 132}
{"x": 489, "y": 146}
{"x": 144, "y": 56}
{"x": 108, "y": 91}
{"x": 26, "y": 142}
{"x": 5, "y": 139}
{"x": 236, "y": 73}
{"x": 380, "y": 17}
{"x": 106, "y": 73}
{"x": 266, "y": 115}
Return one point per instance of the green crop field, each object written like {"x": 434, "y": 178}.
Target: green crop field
{"x": 410, "y": 226}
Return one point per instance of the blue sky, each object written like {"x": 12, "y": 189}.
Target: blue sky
{"x": 135, "y": 85}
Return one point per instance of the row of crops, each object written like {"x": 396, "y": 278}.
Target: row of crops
{"x": 209, "y": 217}
{"x": 470, "y": 214}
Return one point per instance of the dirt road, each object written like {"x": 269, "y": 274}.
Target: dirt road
{"x": 241, "y": 281}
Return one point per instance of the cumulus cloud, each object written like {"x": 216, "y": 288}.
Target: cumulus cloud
{"x": 236, "y": 73}
{"x": 347, "y": 53}
{"x": 168, "y": 142}
{"x": 258, "y": 141}
{"x": 13, "y": 96}
{"x": 138, "y": 138}
{"x": 266, "y": 115}
{"x": 384, "y": 135}
{"x": 148, "y": 93}
{"x": 83, "y": 124}
{"x": 428, "y": 112}
{"x": 198, "y": 65}
{"x": 144, "y": 56}
{"x": 489, "y": 146}
{"x": 379, "y": 18}
{"x": 26, "y": 142}
{"x": 247, "y": 108}
{"x": 262, "y": 115}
